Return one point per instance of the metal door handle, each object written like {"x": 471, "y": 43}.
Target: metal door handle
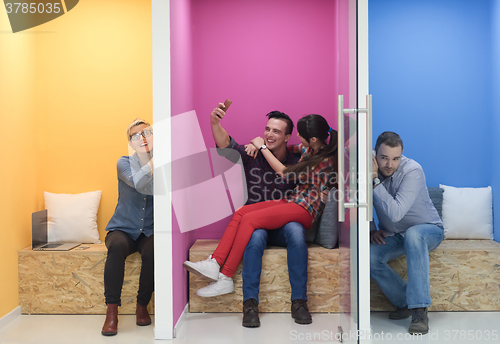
{"x": 341, "y": 152}
{"x": 369, "y": 182}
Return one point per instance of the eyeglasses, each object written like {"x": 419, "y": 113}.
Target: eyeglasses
{"x": 145, "y": 133}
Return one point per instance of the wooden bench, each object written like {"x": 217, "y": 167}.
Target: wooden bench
{"x": 274, "y": 296}
{"x": 72, "y": 282}
{"x": 464, "y": 276}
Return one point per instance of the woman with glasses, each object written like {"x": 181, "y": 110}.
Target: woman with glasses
{"x": 131, "y": 227}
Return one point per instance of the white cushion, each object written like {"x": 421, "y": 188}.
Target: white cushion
{"x": 73, "y": 218}
{"x": 467, "y": 213}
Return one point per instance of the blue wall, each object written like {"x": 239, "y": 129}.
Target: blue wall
{"x": 431, "y": 77}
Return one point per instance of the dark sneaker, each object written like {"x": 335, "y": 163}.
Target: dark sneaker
{"x": 419, "y": 321}
{"x": 251, "y": 313}
{"x": 300, "y": 312}
{"x": 400, "y": 313}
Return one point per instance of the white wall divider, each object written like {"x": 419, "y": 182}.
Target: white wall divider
{"x": 162, "y": 200}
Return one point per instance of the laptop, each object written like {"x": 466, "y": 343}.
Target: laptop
{"x": 39, "y": 235}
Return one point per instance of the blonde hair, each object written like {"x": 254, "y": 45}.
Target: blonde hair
{"x": 135, "y": 123}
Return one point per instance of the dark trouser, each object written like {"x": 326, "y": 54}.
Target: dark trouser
{"x": 120, "y": 246}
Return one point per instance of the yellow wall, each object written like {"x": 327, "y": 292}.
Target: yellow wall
{"x": 68, "y": 90}
{"x": 19, "y": 157}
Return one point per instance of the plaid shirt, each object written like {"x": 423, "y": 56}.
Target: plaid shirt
{"x": 263, "y": 183}
{"x": 312, "y": 183}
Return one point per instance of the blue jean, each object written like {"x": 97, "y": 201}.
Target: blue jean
{"x": 292, "y": 236}
{"x": 416, "y": 243}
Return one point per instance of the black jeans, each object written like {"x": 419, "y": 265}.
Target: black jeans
{"x": 120, "y": 246}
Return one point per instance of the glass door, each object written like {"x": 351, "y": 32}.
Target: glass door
{"x": 355, "y": 209}
{"x": 348, "y": 223}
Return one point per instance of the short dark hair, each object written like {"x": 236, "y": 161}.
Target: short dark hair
{"x": 389, "y": 138}
{"x": 283, "y": 116}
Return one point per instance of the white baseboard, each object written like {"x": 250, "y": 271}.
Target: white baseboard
{"x": 9, "y": 317}
{"x": 181, "y": 320}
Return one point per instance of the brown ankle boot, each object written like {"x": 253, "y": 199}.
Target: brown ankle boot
{"x": 110, "y": 326}
{"x": 142, "y": 316}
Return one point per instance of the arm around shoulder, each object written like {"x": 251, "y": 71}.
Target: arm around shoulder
{"x": 276, "y": 165}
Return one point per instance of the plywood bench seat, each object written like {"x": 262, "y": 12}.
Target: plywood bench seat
{"x": 72, "y": 282}
{"x": 322, "y": 286}
{"x": 464, "y": 276}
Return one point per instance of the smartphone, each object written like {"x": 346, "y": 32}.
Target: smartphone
{"x": 227, "y": 103}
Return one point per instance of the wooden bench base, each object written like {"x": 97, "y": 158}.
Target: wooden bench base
{"x": 72, "y": 282}
{"x": 464, "y": 276}
{"x": 274, "y": 296}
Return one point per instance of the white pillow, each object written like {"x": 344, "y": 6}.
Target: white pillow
{"x": 467, "y": 213}
{"x": 73, "y": 218}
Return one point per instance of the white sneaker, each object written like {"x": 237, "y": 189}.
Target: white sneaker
{"x": 208, "y": 268}
{"x": 223, "y": 286}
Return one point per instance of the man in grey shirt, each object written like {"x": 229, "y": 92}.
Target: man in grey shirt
{"x": 408, "y": 224}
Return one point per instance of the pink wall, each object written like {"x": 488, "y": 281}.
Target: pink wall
{"x": 182, "y": 101}
{"x": 264, "y": 55}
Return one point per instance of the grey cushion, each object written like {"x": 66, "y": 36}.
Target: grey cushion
{"x": 326, "y": 230}
{"x": 436, "y": 195}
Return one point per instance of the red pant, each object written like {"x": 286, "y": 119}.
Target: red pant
{"x": 267, "y": 215}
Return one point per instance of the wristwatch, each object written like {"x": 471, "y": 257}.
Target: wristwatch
{"x": 376, "y": 182}
{"x": 263, "y": 147}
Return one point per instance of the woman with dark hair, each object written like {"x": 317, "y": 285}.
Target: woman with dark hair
{"x": 313, "y": 173}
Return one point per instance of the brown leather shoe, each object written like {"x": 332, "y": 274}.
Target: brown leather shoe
{"x": 142, "y": 316}
{"x": 110, "y": 326}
